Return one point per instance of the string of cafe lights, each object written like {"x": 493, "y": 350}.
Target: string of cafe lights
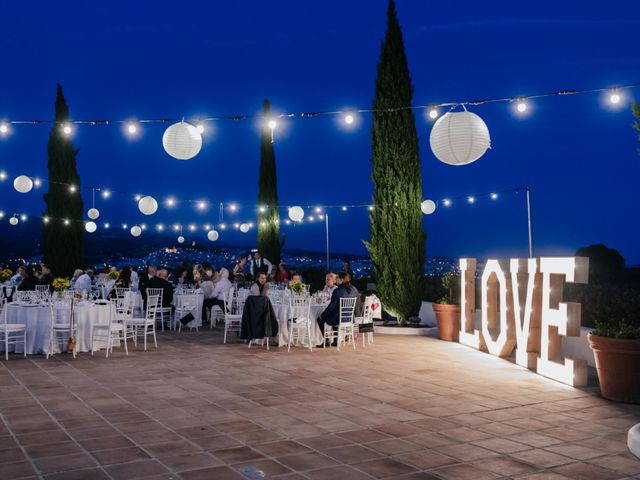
{"x": 318, "y": 214}
{"x": 132, "y": 128}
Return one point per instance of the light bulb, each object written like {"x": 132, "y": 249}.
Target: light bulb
{"x": 3, "y": 175}
{"x": 66, "y": 129}
{"x": 132, "y": 128}
{"x": 72, "y": 189}
{"x": 37, "y": 182}
{"x": 106, "y": 193}
{"x": 348, "y": 119}
{"x": 287, "y": 221}
{"x": 124, "y": 226}
{"x": 200, "y": 128}
{"x": 521, "y": 106}
{"x": 201, "y": 205}
{"x": 446, "y": 202}
{"x": 471, "y": 199}
{"x": 263, "y": 209}
{"x": 272, "y": 124}
{"x": 494, "y": 196}
{"x": 176, "y": 227}
{"x": 233, "y": 207}
{"x": 192, "y": 227}
{"x": 318, "y": 210}
{"x": 106, "y": 225}
{"x": 614, "y": 98}
{"x": 138, "y": 197}
{"x": 23, "y": 217}
{"x": 370, "y": 208}
{"x": 170, "y": 202}
{"x": 4, "y": 128}
{"x": 45, "y": 219}
{"x": 433, "y": 113}
{"x": 66, "y": 221}
{"x": 143, "y": 226}
{"x": 223, "y": 226}
{"x": 344, "y": 209}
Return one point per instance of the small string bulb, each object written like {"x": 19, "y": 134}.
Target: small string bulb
{"x": 614, "y": 97}
{"x": 4, "y": 128}
{"x": 433, "y": 113}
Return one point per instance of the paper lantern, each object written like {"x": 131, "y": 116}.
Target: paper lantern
{"x": 90, "y": 227}
{"x": 148, "y": 205}
{"x": 428, "y": 207}
{"x": 212, "y": 235}
{"x": 296, "y": 213}
{"x": 93, "y": 213}
{"x": 23, "y": 184}
{"x": 180, "y": 239}
{"x": 136, "y": 231}
{"x": 13, "y": 220}
{"x": 459, "y": 138}
{"x": 244, "y": 228}
{"x": 182, "y": 141}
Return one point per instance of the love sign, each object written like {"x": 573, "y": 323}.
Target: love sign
{"x": 522, "y": 308}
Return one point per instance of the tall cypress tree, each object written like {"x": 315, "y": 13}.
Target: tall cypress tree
{"x": 62, "y": 243}
{"x": 397, "y": 238}
{"x": 269, "y": 211}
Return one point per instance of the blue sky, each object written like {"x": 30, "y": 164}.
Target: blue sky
{"x": 164, "y": 59}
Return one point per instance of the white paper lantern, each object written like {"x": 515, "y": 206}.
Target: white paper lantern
{"x": 93, "y": 213}
{"x": 148, "y": 205}
{"x": 244, "y": 228}
{"x": 212, "y": 235}
{"x": 459, "y": 138}
{"x": 23, "y": 184}
{"x": 296, "y": 213}
{"x": 182, "y": 141}
{"x": 136, "y": 231}
{"x": 13, "y": 220}
{"x": 180, "y": 239}
{"x": 90, "y": 227}
{"x": 428, "y": 207}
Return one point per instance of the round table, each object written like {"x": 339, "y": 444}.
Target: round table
{"x": 37, "y": 318}
{"x": 282, "y": 312}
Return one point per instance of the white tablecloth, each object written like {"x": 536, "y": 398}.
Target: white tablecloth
{"x": 196, "y": 310}
{"x": 282, "y": 312}
{"x": 37, "y": 318}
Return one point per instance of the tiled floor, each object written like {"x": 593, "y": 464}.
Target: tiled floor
{"x": 405, "y": 408}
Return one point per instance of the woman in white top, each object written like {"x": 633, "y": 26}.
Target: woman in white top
{"x": 329, "y": 283}
{"x": 214, "y": 293}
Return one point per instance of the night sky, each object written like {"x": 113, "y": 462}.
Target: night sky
{"x": 151, "y": 59}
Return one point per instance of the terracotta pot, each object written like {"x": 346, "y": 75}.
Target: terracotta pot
{"x": 448, "y": 318}
{"x": 618, "y": 365}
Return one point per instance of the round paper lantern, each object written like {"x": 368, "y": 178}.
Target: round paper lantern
{"x": 23, "y": 184}
{"x": 13, "y": 220}
{"x": 148, "y": 205}
{"x": 296, "y": 213}
{"x": 459, "y": 138}
{"x": 212, "y": 235}
{"x": 180, "y": 239}
{"x": 90, "y": 227}
{"x": 93, "y": 213}
{"x": 182, "y": 141}
{"x": 136, "y": 231}
{"x": 244, "y": 228}
{"x": 428, "y": 207}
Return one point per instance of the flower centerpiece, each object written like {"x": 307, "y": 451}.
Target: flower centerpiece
{"x": 297, "y": 287}
{"x": 60, "y": 284}
{"x": 115, "y": 275}
{"x": 5, "y": 274}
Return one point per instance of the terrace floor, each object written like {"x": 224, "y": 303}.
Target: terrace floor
{"x": 404, "y": 408}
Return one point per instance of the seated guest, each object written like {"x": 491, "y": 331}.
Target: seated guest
{"x": 214, "y": 293}
{"x": 284, "y": 274}
{"x": 296, "y": 277}
{"x": 124, "y": 280}
{"x": 338, "y": 280}
{"x": 17, "y": 278}
{"x": 156, "y": 280}
{"x": 183, "y": 277}
{"x": 83, "y": 282}
{"x": 260, "y": 286}
{"x": 329, "y": 283}
{"x": 29, "y": 280}
{"x": 46, "y": 278}
{"x": 346, "y": 266}
{"x": 331, "y": 314}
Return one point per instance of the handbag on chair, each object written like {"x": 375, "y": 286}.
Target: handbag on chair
{"x": 71, "y": 343}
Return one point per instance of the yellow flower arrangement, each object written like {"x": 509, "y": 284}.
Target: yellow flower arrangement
{"x": 5, "y": 274}
{"x": 297, "y": 287}
{"x": 60, "y": 284}
{"x": 113, "y": 275}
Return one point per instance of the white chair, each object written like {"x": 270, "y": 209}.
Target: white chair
{"x": 161, "y": 311}
{"x": 188, "y": 303}
{"x": 365, "y": 322}
{"x": 61, "y": 328}
{"x": 116, "y": 329}
{"x": 43, "y": 290}
{"x": 345, "y": 328}
{"x": 147, "y": 325}
{"x": 11, "y": 333}
{"x": 27, "y": 296}
{"x": 121, "y": 292}
{"x": 232, "y": 314}
{"x": 216, "y": 316}
{"x": 299, "y": 321}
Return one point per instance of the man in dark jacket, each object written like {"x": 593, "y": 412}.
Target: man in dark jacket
{"x": 29, "y": 281}
{"x": 154, "y": 281}
{"x": 331, "y": 314}
{"x": 47, "y": 277}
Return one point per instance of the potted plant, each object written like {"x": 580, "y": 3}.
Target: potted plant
{"x": 616, "y": 343}
{"x": 447, "y": 312}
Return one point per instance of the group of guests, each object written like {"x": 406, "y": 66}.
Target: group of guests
{"x": 28, "y": 276}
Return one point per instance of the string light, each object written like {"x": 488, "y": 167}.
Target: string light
{"x": 201, "y": 205}
{"x": 3, "y": 175}
{"x": 132, "y": 128}
{"x": 106, "y": 225}
{"x": 446, "y": 202}
{"x": 4, "y": 128}
{"x": 170, "y": 202}
{"x": 37, "y": 182}
{"x": 233, "y": 207}
{"x": 262, "y": 209}
{"x": 223, "y": 226}
{"x": 176, "y": 227}
{"x": 614, "y": 97}
{"x": 66, "y": 129}
{"x": 272, "y": 124}
{"x": 200, "y": 128}
{"x": 521, "y": 106}
{"x": 344, "y": 209}
{"x": 23, "y": 217}
{"x": 471, "y": 199}
{"x": 494, "y": 196}
{"x": 106, "y": 193}
{"x": 137, "y": 197}
{"x": 66, "y": 221}
{"x": 72, "y": 189}
{"x": 1, "y": 214}
{"x": 433, "y": 113}
{"x": 348, "y": 118}
{"x": 124, "y": 226}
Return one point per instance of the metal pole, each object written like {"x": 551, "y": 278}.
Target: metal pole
{"x": 528, "y": 190}
{"x": 326, "y": 223}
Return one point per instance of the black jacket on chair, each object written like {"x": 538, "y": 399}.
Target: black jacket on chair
{"x": 258, "y": 318}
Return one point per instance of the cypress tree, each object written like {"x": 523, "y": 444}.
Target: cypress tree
{"x": 269, "y": 211}
{"x": 62, "y": 243}
{"x": 397, "y": 238}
